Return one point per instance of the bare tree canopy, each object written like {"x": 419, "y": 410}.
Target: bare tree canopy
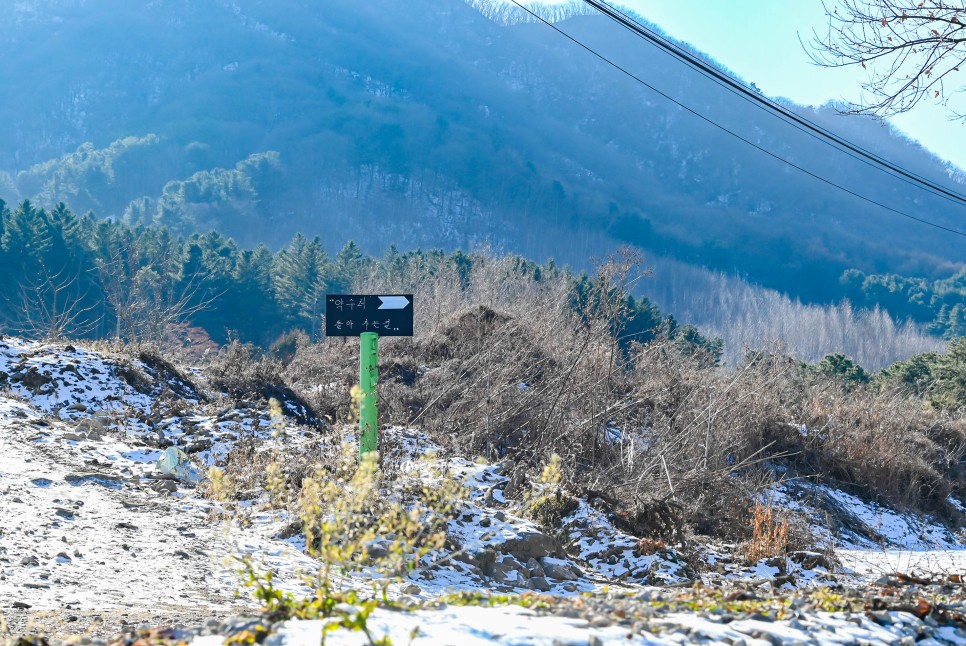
{"x": 912, "y": 51}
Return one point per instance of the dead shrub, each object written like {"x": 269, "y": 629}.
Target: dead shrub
{"x": 769, "y": 537}
{"x": 243, "y": 372}
{"x": 168, "y": 374}
{"x": 285, "y": 346}
{"x": 881, "y": 444}
{"x": 253, "y": 466}
{"x": 514, "y": 366}
{"x": 648, "y": 546}
{"x": 551, "y": 509}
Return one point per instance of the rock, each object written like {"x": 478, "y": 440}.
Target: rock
{"x": 535, "y": 568}
{"x": 530, "y": 545}
{"x": 64, "y": 513}
{"x": 539, "y": 583}
{"x": 559, "y": 571}
{"x": 20, "y": 605}
{"x": 411, "y": 588}
{"x": 73, "y": 437}
{"x": 164, "y": 486}
{"x": 102, "y": 479}
{"x": 33, "y": 380}
{"x": 880, "y": 617}
{"x": 198, "y": 446}
{"x": 29, "y": 560}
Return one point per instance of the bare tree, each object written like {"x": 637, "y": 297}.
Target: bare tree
{"x": 911, "y": 50}
{"x": 147, "y": 305}
{"x": 53, "y": 305}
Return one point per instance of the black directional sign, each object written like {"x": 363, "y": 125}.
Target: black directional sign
{"x": 384, "y": 314}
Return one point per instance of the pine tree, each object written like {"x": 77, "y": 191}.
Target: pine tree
{"x": 349, "y": 264}
{"x": 301, "y": 277}
{"x": 249, "y": 307}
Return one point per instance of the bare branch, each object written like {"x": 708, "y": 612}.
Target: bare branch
{"x": 148, "y": 306}
{"x": 53, "y": 306}
{"x": 911, "y": 50}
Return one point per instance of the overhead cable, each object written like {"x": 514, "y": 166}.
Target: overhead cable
{"x": 734, "y": 134}
{"x": 799, "y": 122}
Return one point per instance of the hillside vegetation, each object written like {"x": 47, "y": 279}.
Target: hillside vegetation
{"x": 510, "y": 355}
{"x": 81, "y": 277}
{"x": 262, "y": 120}
{"x": 505, "y": 366}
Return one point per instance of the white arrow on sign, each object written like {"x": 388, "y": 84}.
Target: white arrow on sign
{"x": 393, "y": 302}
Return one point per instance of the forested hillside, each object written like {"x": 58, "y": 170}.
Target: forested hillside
{"x": 81, "y": 277}
{"x": 432, "y": 123}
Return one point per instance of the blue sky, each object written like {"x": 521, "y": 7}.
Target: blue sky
{"x": 759, "y": 41}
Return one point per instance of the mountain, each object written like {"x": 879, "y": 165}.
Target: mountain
{"x": 440, "y": 123}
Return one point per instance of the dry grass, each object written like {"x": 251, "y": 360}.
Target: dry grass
{"x": 511, "y": 365}
{"x": 769, "y": 534}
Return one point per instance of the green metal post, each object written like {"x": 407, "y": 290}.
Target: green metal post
{"x": 368, "y": 381}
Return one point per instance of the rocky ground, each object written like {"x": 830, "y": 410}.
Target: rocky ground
{"x": 893, "y": 612}
{"x": 105, "y": 535}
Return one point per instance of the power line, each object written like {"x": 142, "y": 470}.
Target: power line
{"x": 799, "y": 122}
{"x": 731, "y": 132}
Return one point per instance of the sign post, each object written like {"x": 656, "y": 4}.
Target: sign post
{"x": 368, "y": 317}
{"x": 368, "y": 380}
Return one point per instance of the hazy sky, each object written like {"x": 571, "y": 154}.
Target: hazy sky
{"x": 759, "y": 41}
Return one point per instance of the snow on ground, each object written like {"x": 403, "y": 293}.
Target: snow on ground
{"x": 514, "y": 625}
{"x": 872, "y": 564}
{"x": 87, "y": 521}
{"x": 55, "y": 378}
{"x": 462, "y": 625}
{"x": 594, "y": 554}
{"x": 873, "y": 540}
{"x": 83, "y": 527}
